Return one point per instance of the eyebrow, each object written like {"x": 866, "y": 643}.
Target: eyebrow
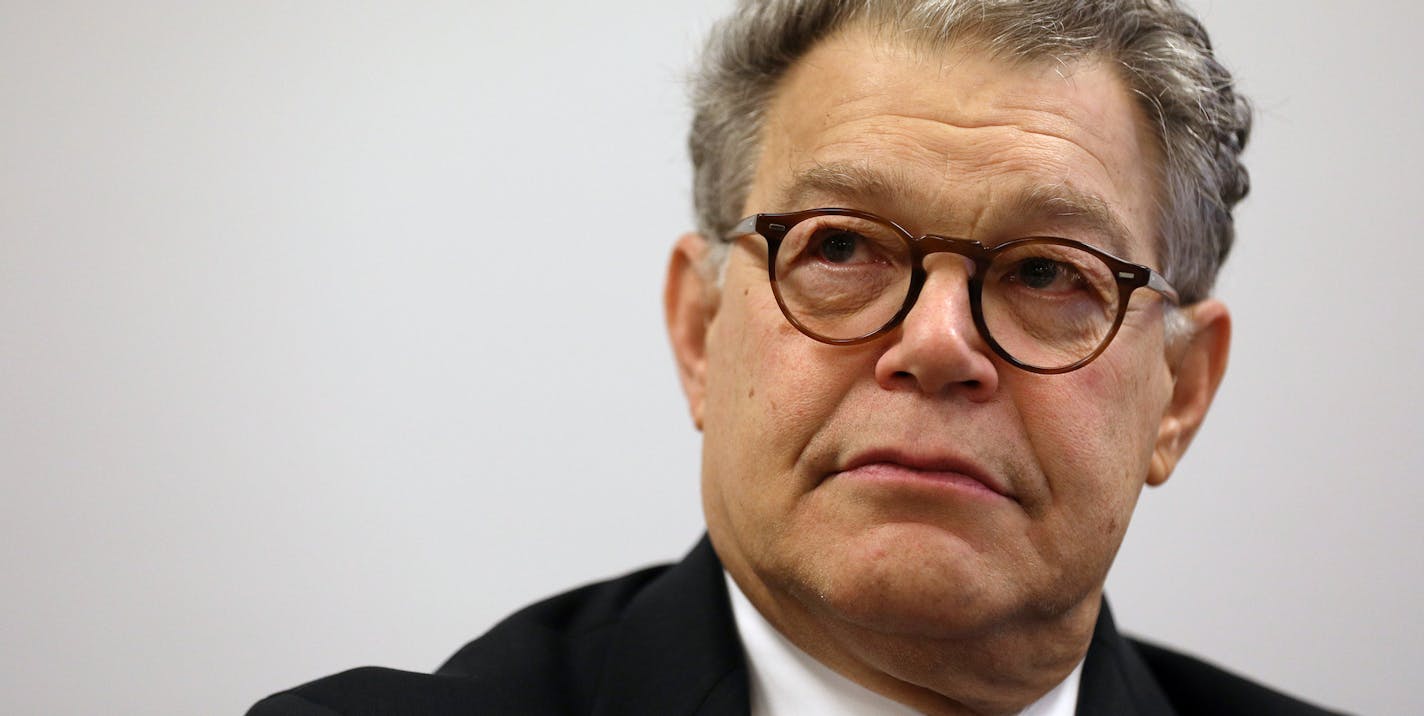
{"x": 844, "y": 180}
{"x": 860, "y": 182}
{"x": 1088, "y": 210}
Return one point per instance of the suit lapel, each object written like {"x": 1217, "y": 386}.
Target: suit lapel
{"x": 1116, "y": 681}
{"x": 677, "y": 652}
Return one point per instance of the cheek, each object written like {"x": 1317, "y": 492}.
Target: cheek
{"x": 779, "y": 383}
{"x": 1093, "y": 463}
{"x": 1092, "y": 432}
{"x": 761, "y": 393}
{"x": 766, "y": 398}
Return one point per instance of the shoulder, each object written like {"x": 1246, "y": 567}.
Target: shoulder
{"x": 659, "y": 640}
{"x": 1122, "y": 675}
{"x": 543, "y": 659}
{"x": 561, "y": 639}
{"x": 371, "y": 690}
{"x": 1194, "y": 686}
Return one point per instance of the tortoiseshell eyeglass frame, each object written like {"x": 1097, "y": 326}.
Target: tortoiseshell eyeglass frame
{"x": 1129, "y": 276}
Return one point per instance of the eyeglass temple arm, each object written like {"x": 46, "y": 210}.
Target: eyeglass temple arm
{"x": 744, "y": 227}
{"x": 1156, "y": 282}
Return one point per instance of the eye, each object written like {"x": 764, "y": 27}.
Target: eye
{"x": 1043, "y": 274}
{"x": 840, "y": 244}
{"x": 838, "y": 247}
{"x": 1038, "y": 273}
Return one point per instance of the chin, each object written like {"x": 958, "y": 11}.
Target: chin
{"x": 908, "y": 578}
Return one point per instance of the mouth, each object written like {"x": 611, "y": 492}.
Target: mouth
{"x": 924, "y": 472}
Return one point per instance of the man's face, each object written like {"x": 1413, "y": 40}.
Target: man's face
{"x": 918, "y": 484}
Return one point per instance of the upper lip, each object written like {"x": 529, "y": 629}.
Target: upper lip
{"x": 929, "y": 462}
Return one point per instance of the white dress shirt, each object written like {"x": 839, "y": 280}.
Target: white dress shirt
{"x": 785, "y": 681}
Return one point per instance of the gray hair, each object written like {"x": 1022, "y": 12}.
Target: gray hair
{"x": 1160, "y": 50}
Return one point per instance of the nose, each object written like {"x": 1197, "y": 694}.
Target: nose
{"x": 937, "y": 349}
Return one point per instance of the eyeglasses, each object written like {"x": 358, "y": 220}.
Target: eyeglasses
{"x": 1047, "y": 305}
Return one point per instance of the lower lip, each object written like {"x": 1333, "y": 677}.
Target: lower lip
{"x": 891, "y": 474}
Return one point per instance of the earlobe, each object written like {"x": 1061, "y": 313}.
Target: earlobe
{"x": 1199, "y": 362}
{"x": 688, "y": 306}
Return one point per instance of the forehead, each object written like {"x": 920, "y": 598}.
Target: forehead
{"x": 954, "y": 140}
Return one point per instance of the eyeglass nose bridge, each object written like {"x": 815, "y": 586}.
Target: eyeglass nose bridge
{"x": 977, "y": 257}
{"x": 924, "y": 246}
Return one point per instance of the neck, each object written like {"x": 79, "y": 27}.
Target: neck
{"x": 999, "y": 669}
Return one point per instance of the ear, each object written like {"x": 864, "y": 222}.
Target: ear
{"x": 689, "y": 302}
{"x": 1198, "y": 362}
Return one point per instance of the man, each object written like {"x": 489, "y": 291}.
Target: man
{"x": 946, "y": 314}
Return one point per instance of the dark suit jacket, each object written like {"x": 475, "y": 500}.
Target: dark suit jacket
{"x": 662, "y": 641}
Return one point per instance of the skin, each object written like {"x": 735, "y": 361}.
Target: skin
{"x": 960, "y": 569}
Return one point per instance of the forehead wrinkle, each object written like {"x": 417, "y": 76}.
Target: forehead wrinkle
{"x": 1032, "y": 116}
{"x": 889, "y": 182}
{"x": 860, "y": 182}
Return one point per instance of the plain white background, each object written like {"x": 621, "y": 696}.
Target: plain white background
{"x": 329, "y": 334}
